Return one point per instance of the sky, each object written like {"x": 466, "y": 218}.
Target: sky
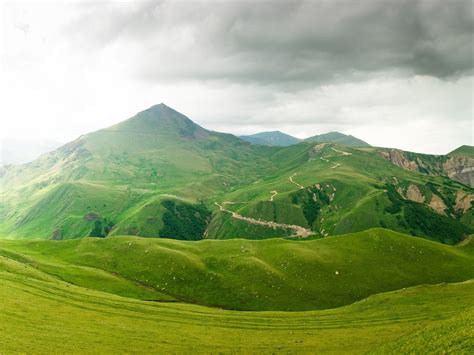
{"x": 395, "y": 73}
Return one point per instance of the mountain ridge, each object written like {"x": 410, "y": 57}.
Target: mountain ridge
{"x": 160, "y": 174}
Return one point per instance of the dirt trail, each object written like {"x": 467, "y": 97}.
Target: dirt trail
{"x": 299, "y": 231}
{"x": 340, "y": 151}
{"x": 274, "y": 193}
{"x": 294, "y": 182}
{"x": 335, "y": 166}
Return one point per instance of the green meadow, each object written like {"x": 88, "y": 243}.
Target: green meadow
{"x": 376, "y": 291}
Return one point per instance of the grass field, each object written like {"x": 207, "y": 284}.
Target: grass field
{"x": 43, "y": 316}
{"x": 127, "y": 294}
{"x": 249, "y": 275}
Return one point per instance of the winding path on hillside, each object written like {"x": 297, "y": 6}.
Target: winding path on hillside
{"x": 299, "y": 231}
{"x": 340, "y": 151}
{"x": 294, "y": 182}
{"x": 274, "y": 193}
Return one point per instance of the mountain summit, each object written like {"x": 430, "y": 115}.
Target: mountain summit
{"x": 163, "y": 120}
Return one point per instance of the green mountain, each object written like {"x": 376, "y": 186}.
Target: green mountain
{"x": 338, "y": 138}
{"x": 274, "y": 138}
{"x": 160, "y": 174}
{"x": 463, "y": 151}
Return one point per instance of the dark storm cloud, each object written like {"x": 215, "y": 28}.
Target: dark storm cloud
{"x": 288, "y": 43}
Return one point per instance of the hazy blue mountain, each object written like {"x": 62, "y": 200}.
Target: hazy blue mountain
{"x": 275, "y": 138}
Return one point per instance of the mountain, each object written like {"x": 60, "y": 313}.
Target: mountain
{"x": 117, "y": 178}
{"x": 277, "y": 138}
{"x": 158, "y": 174}
{"x": 458, "y": 165}
{"x": 463, "y": 151}
{"x": 274, "y": 138}
{"x": 338, "y": 138}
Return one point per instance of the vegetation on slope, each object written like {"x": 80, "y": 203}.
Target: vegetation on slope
{"x": 124, "y": 174}
{"x": 250, "y": 275}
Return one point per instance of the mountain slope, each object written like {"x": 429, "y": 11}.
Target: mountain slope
{"x": 338, "y": 138}
{"x": 463, "y": 151}
{"x": 274, "y": 138}
{"x": 120, "y": 175}
{"x": 160, "y": 175}
{"x": 330, "y": 189}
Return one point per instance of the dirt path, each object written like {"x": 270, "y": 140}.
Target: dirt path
{"x": 299, "y": 231}
{"x": 335, "y": 166}
{"x": 294, "y": 182}
{"x": 340, "y": 151}
{"x": 274, "y": 193}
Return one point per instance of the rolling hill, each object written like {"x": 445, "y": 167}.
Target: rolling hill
{"x": 160, "y": 174}
{"x": 72, "y": 291}
{"x": 248, "y": 275}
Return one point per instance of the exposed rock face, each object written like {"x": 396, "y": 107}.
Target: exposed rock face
{"x": 437, "y": 204}
{"x": 414, "y": 194}
{"x": 398, "y": 158}
{"x": 313, "y": 153}
{"x": 460, "y": 169}
{"x": 463, "y": 201}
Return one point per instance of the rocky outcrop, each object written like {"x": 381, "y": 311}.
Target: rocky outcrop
{"x": 460, "y": 169}
{"x": 463, "y": 201}
{"x": 457, "y": 168}
{"x": 413, "y": 193}
{"x": 398, "y": 158}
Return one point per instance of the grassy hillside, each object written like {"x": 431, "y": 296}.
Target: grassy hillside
{"x": 249, "y": 275}
{"x": 158, "y": 174}
{"x": 333, "y": 189}
{"x": 464, "y": 151}
{"x": 68, "y": 318}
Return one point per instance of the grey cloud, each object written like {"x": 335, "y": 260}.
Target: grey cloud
{"x": 288, "y": 43}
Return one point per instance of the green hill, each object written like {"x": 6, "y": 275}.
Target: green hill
{"x": 55, "y": 287}
{"x": 249, "y": 275}
{"x": 158, "y": 174}
{"x": 464, "y": 151}
{"x": 274, "y": 138}
{"x": 338, "y": 138}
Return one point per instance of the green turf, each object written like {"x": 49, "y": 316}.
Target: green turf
{"x": 272, "y": 274}
{"x": 50, "y": 316}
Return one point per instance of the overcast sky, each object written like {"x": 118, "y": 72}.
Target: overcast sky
{"x": 394, "y": 73}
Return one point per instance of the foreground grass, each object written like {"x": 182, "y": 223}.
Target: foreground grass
{"x": 248, "y": 275}
{"x": 51, "y": 316}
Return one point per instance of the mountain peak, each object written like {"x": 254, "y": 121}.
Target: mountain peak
{"x": 162, "y": 119}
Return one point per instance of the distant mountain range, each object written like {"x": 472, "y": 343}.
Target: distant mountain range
{"x": 158, "y": 174}
{"x": 277, "y": 138}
